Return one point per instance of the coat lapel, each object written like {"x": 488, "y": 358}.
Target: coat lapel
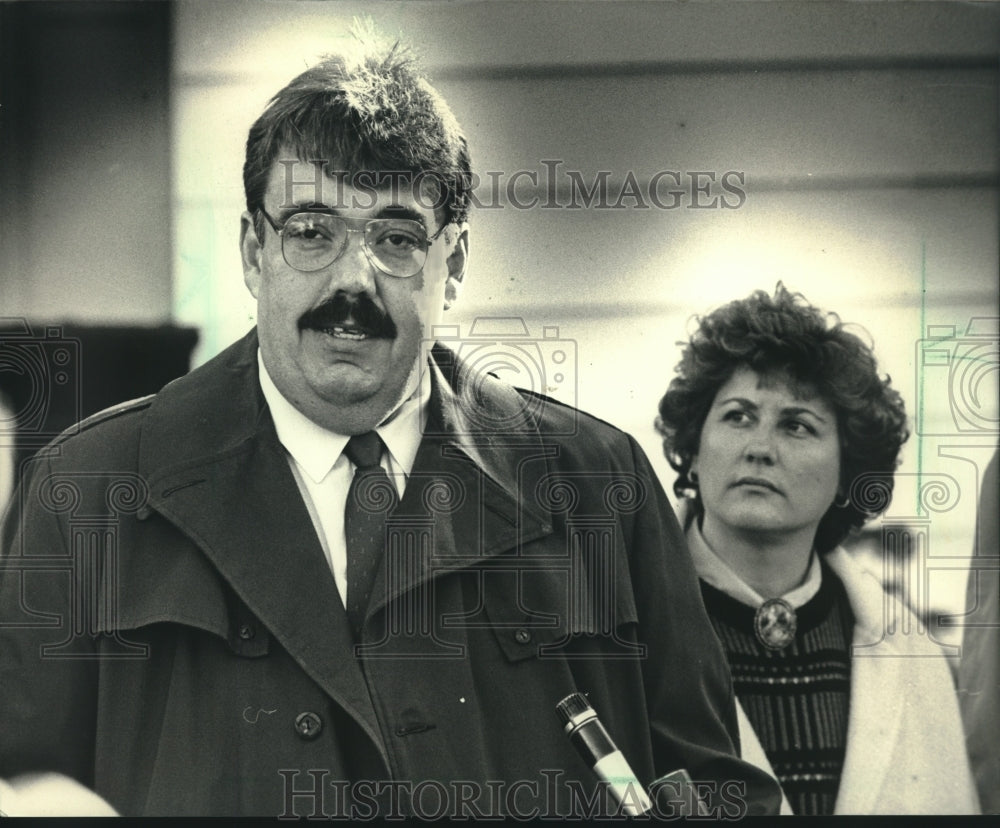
{"x": 877, "y": 695}
{"x": 227, "y": 484}
{"x": 462, "y": 493}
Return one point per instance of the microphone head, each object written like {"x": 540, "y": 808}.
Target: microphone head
{"x": 571, "y": 707}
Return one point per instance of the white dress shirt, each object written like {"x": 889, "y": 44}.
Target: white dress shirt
{"x": 322, "y": 470}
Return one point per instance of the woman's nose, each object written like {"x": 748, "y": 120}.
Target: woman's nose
{"x": 760, "y": 449}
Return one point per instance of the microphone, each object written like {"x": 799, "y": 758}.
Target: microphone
{"x": 595, "y": 747}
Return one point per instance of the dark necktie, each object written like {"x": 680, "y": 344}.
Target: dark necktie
{"x": 370, "y": 498}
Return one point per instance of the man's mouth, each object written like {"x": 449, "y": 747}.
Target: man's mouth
{"x": 339, "y": 332}
{"x": 349, "y": 319}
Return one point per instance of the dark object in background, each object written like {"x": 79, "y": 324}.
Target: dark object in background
{"x": 979, "y": 669}
{"x": 54, "y": 375}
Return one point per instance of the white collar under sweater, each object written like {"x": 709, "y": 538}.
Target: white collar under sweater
{"x": 717, "y": 573}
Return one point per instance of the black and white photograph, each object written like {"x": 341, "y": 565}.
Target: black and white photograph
{"x": 515, "y": 410}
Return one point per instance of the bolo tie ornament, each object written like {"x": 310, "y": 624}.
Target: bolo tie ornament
{"x": 775, "y": 623}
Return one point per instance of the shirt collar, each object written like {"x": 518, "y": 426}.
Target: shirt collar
{"x": 717, "y": 573}
{"x": 316, "y": 449}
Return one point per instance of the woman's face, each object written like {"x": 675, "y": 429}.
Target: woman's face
{"x": 768, "y": 458}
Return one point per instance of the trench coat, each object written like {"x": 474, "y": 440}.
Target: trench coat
{"x": 171, "y": 635}
{"x": 905, "y": 747}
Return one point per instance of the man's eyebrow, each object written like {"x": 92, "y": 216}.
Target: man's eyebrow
{"x": 389, "y": 211}
{"x": 401, "y": 212}
{"x": 306, "y": 207}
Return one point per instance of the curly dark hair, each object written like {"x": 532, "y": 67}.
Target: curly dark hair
{"x": 787, "y": 336}
{"x": 363, "y": 112}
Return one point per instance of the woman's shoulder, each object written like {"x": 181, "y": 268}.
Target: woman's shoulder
{"x": 884, "y": 625}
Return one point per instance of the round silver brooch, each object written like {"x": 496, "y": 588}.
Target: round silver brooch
{"x": 775, "y": 623}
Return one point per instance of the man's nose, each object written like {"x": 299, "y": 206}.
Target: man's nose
{"x": 352, "y": 271}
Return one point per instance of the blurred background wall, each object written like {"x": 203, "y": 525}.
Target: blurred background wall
{"x": 85, "y": 216}
{"x": 85, "y": 141}
{"x": 848, "y": 149}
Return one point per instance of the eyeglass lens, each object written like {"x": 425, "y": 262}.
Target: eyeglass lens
{"x": 311, "y": 241}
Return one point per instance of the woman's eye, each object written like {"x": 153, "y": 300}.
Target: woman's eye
{"x": 735, "y": 416}
{"x": 800, "y": 427}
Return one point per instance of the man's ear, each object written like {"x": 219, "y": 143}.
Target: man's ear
{"x": 458, "y": 262}
{"x": 250, "y": 252}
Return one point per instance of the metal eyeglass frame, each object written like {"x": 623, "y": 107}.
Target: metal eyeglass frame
{"x": 364, "y": 222}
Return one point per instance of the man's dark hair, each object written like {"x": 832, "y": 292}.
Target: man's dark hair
{"x": 785, "y": 337}
{"x": 366, "y": 112}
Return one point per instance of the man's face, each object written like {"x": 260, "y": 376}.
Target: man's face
{"x": 343, "y": 343}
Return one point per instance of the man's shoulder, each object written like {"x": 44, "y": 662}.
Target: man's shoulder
{"x": 115, "y": 432}
{"x": 101, "y": 445}
{"x": 102, "y": 435}
{"x": 583, "y": 440}
{"x": 555, "y": 417}
{"x": 492, "y": 408}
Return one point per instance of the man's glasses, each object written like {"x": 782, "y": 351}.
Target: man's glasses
{"x": 312, "y": 241}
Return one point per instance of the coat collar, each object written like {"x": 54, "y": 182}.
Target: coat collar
{"x": 219, "y": 410}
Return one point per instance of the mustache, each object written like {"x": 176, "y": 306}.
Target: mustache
{"x": 359, "y": 313}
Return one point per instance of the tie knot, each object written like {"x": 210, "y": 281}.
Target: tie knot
{"x": 364, "y": 450}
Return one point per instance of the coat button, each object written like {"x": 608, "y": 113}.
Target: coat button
{"x": 308, "y": 726}
{"x": 522, "y": 636}
{"x": 247, "y": 631}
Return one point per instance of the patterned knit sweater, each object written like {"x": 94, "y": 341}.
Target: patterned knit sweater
{"x": 796, "y": 698}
